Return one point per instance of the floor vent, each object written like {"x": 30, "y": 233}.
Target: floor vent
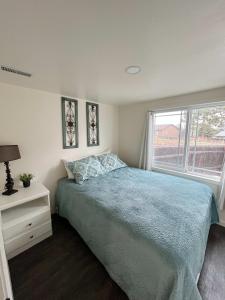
{"x": 7, "y": 69}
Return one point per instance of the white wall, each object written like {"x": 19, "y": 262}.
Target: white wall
{"x": 32, "y": 119}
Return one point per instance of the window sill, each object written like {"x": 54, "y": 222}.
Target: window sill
{"x": 187, "y": 175}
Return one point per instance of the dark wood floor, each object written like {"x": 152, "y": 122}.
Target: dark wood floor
{"x": 62, "y": 267}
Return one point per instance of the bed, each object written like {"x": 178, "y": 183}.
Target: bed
{"x": 148, "y": 229}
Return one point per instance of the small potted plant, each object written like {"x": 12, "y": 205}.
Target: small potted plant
{"x": 26, "y": 178}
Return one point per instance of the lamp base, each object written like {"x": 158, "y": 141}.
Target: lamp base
{"x": 9, "y": 192}
{"x": 9, "y": 182}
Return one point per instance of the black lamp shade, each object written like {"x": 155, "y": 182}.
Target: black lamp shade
{"x": 9, "y": 153}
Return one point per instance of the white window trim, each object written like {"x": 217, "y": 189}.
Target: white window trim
{"x": 201, "y": 178}
{"x": 188, "y": 107}
{"x": 184, "y": 173}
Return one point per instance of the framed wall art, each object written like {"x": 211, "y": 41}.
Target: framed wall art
{"x": 69, "y": 123}
{"x": 92, "y": 124}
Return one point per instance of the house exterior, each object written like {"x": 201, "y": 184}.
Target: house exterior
{"x": 220, "y": 135}
{"x": 167, "y": 131}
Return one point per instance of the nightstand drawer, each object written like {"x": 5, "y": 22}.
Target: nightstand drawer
{"x": 26, "y": 225}
{"x": 22, "y": 240}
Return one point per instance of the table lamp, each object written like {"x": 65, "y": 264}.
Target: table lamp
{"x": 9, "y": 153}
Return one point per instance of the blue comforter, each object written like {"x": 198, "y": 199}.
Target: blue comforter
{"x": 148, "y": 229}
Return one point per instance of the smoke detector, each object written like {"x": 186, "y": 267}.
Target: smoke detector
{"x": 133, "y": 70}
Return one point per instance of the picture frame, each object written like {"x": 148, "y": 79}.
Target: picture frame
{"x": 92, "y": 120}
{"x": 69, "y": 123}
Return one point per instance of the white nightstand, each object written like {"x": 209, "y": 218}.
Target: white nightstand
{"x": 25, "y": 218}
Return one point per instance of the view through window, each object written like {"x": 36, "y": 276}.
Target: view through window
{"x": 190, "y": 140}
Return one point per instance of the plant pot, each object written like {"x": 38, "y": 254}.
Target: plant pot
{"x": 26, "y": 184}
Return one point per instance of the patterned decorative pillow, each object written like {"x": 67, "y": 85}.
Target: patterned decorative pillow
{"x": 111, "y": 162}
{"x": 86, "y": 168}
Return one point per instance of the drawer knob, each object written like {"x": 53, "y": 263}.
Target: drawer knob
{"x": 31, "y": 236}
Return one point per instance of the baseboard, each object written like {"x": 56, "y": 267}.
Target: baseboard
{"x": 222, "y": 218}
{"x": 222, "y": 224}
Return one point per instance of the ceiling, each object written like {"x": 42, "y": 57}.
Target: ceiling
{"x": 81, "y": 48}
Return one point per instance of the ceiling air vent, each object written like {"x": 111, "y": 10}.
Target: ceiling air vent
{"x": 7, "y": 69}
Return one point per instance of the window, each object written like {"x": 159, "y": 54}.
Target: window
{"x": 190, "y": 140}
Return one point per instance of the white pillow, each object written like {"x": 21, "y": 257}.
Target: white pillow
{"x": 70, "y": 175}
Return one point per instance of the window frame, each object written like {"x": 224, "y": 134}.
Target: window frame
{"x": 184, "y": 170}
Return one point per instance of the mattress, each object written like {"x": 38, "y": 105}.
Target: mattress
{"x": 148, "y": 229}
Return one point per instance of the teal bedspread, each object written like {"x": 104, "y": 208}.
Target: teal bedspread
{"x": 148, "y": 229}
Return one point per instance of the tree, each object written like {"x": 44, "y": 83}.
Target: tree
{"x": 208, "y": 121}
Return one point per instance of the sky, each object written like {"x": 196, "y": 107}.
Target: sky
{"x": 168, "y": 118}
